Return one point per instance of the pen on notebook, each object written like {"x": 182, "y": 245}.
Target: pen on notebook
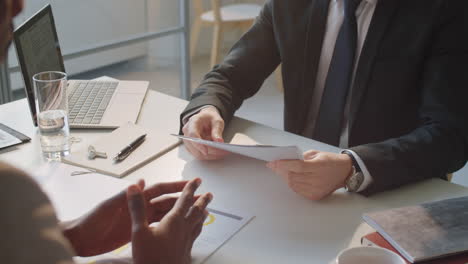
{"x": 125, "y": 152}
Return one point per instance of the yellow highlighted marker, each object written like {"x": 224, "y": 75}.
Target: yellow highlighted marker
{"x": 211, "y": 219}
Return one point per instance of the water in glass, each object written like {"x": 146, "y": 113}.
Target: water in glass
{"x": 55, "y": 133}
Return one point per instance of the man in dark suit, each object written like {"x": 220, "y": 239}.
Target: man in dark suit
{"x": 382, "y": 79}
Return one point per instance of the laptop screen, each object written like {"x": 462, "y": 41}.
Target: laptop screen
{"x": 38, "y": 50}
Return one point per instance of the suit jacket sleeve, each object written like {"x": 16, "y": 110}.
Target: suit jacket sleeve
{"x": 439, "y": 145}
{"x": 252, "y": 59}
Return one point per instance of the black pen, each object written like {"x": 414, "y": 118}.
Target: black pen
{"x": 125, "y": 152}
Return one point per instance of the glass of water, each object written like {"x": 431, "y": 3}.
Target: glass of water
{"x": 52, "y": 118}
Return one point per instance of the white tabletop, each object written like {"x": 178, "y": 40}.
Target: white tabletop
{"x": 159, "y": 111}
{"x": 287, "y": 228}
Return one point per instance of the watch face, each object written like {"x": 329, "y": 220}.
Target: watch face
{"x": 354, "y": 182}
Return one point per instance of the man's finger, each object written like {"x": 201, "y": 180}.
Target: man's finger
{"x": 166, "y": 203}
{"x": 194, "y": 151}
{"x": 311, "y": 193}
{"x": 217, "y": 128}
{"x": 210, "y": 156}
{"x": 162, "y": 204}
{"x": 159, "y": 189}
{"x": 306, "y": 180}
{"x": 291, "y": 176}
{"x": 298, "y": 166}
{"x": 198, "y": 227}
{"x": 201, "y": 148}
{"x": 310, "y": 154}
{"x": 217, "y": 152}
{"x": 159, "y": 207}
{"x": 186, "y": 200}
{"x": 281, "y": 172}
{"x": 195, "y": 131}
{"x": 141, "y": 184}
{"x": 285, "y": 172}
{"x": 196, "y": 213}
{"x": 136, "y": 208}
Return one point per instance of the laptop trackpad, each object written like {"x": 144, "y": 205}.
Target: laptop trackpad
{"x": 123, "y": 108}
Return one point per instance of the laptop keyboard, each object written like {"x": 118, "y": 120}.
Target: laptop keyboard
{"x": 89, "y": 100}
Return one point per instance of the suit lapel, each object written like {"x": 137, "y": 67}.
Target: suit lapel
{"x": 313, "y": 48}
{"x": 382, "y": 16}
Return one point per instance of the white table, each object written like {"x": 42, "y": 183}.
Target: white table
{"x": 159, "y": 111}
{"x": 287, "y": 228}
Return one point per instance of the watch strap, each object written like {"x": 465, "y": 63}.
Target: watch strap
{"x": 353, "y": 160}
{"x": 355, "y": 180}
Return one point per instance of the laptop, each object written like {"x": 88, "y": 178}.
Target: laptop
{"x": 91, "y": 104}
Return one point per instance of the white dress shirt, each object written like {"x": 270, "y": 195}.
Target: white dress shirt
{"x": 364, "y": 14}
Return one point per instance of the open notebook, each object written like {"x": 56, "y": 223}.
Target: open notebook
{"x": 155, "y": 145}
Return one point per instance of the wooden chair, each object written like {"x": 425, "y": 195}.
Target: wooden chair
{"x": 221, "y": 17}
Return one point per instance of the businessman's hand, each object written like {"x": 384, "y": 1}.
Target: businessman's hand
{"x": 209, "y": 125}
{"x": 108, "y": 225}
{"x": 171, "y": 241}
{"x": 317, "y": 176}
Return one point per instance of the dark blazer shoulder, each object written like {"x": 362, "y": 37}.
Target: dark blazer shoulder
{"x": 289, "y": 9}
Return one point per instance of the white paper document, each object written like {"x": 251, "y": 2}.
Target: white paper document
{"x": 262, "y": 152}
{"x": 7, "y": 139}
{"x": 218, "y": 228}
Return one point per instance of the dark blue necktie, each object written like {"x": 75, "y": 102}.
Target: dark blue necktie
{"x": 330, "y": 118}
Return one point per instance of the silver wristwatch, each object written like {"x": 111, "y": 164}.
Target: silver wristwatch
{"x": 356, "y": 179}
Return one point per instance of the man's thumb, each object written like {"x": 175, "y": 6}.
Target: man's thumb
{"x": 136, "y": 207}
{"x": 217, "y": 131}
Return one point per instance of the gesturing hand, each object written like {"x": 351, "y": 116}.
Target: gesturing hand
{"x": 208, "y": 125}
{"x": 317, "y": 176}
{"x": 171, "y": 241}
{"x": 108, "y": 225}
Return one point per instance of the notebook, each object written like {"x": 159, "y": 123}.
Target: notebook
{"x": 155, "y": 145}
{"x": 377, "y": 240}
{"x": 426, "y": 231}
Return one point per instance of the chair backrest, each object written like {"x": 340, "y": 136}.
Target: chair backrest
{"x": 215, "y": 7}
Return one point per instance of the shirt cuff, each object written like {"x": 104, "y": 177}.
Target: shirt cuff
{"x": 186, "y": 117}
{"x": 367, "y": 177}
